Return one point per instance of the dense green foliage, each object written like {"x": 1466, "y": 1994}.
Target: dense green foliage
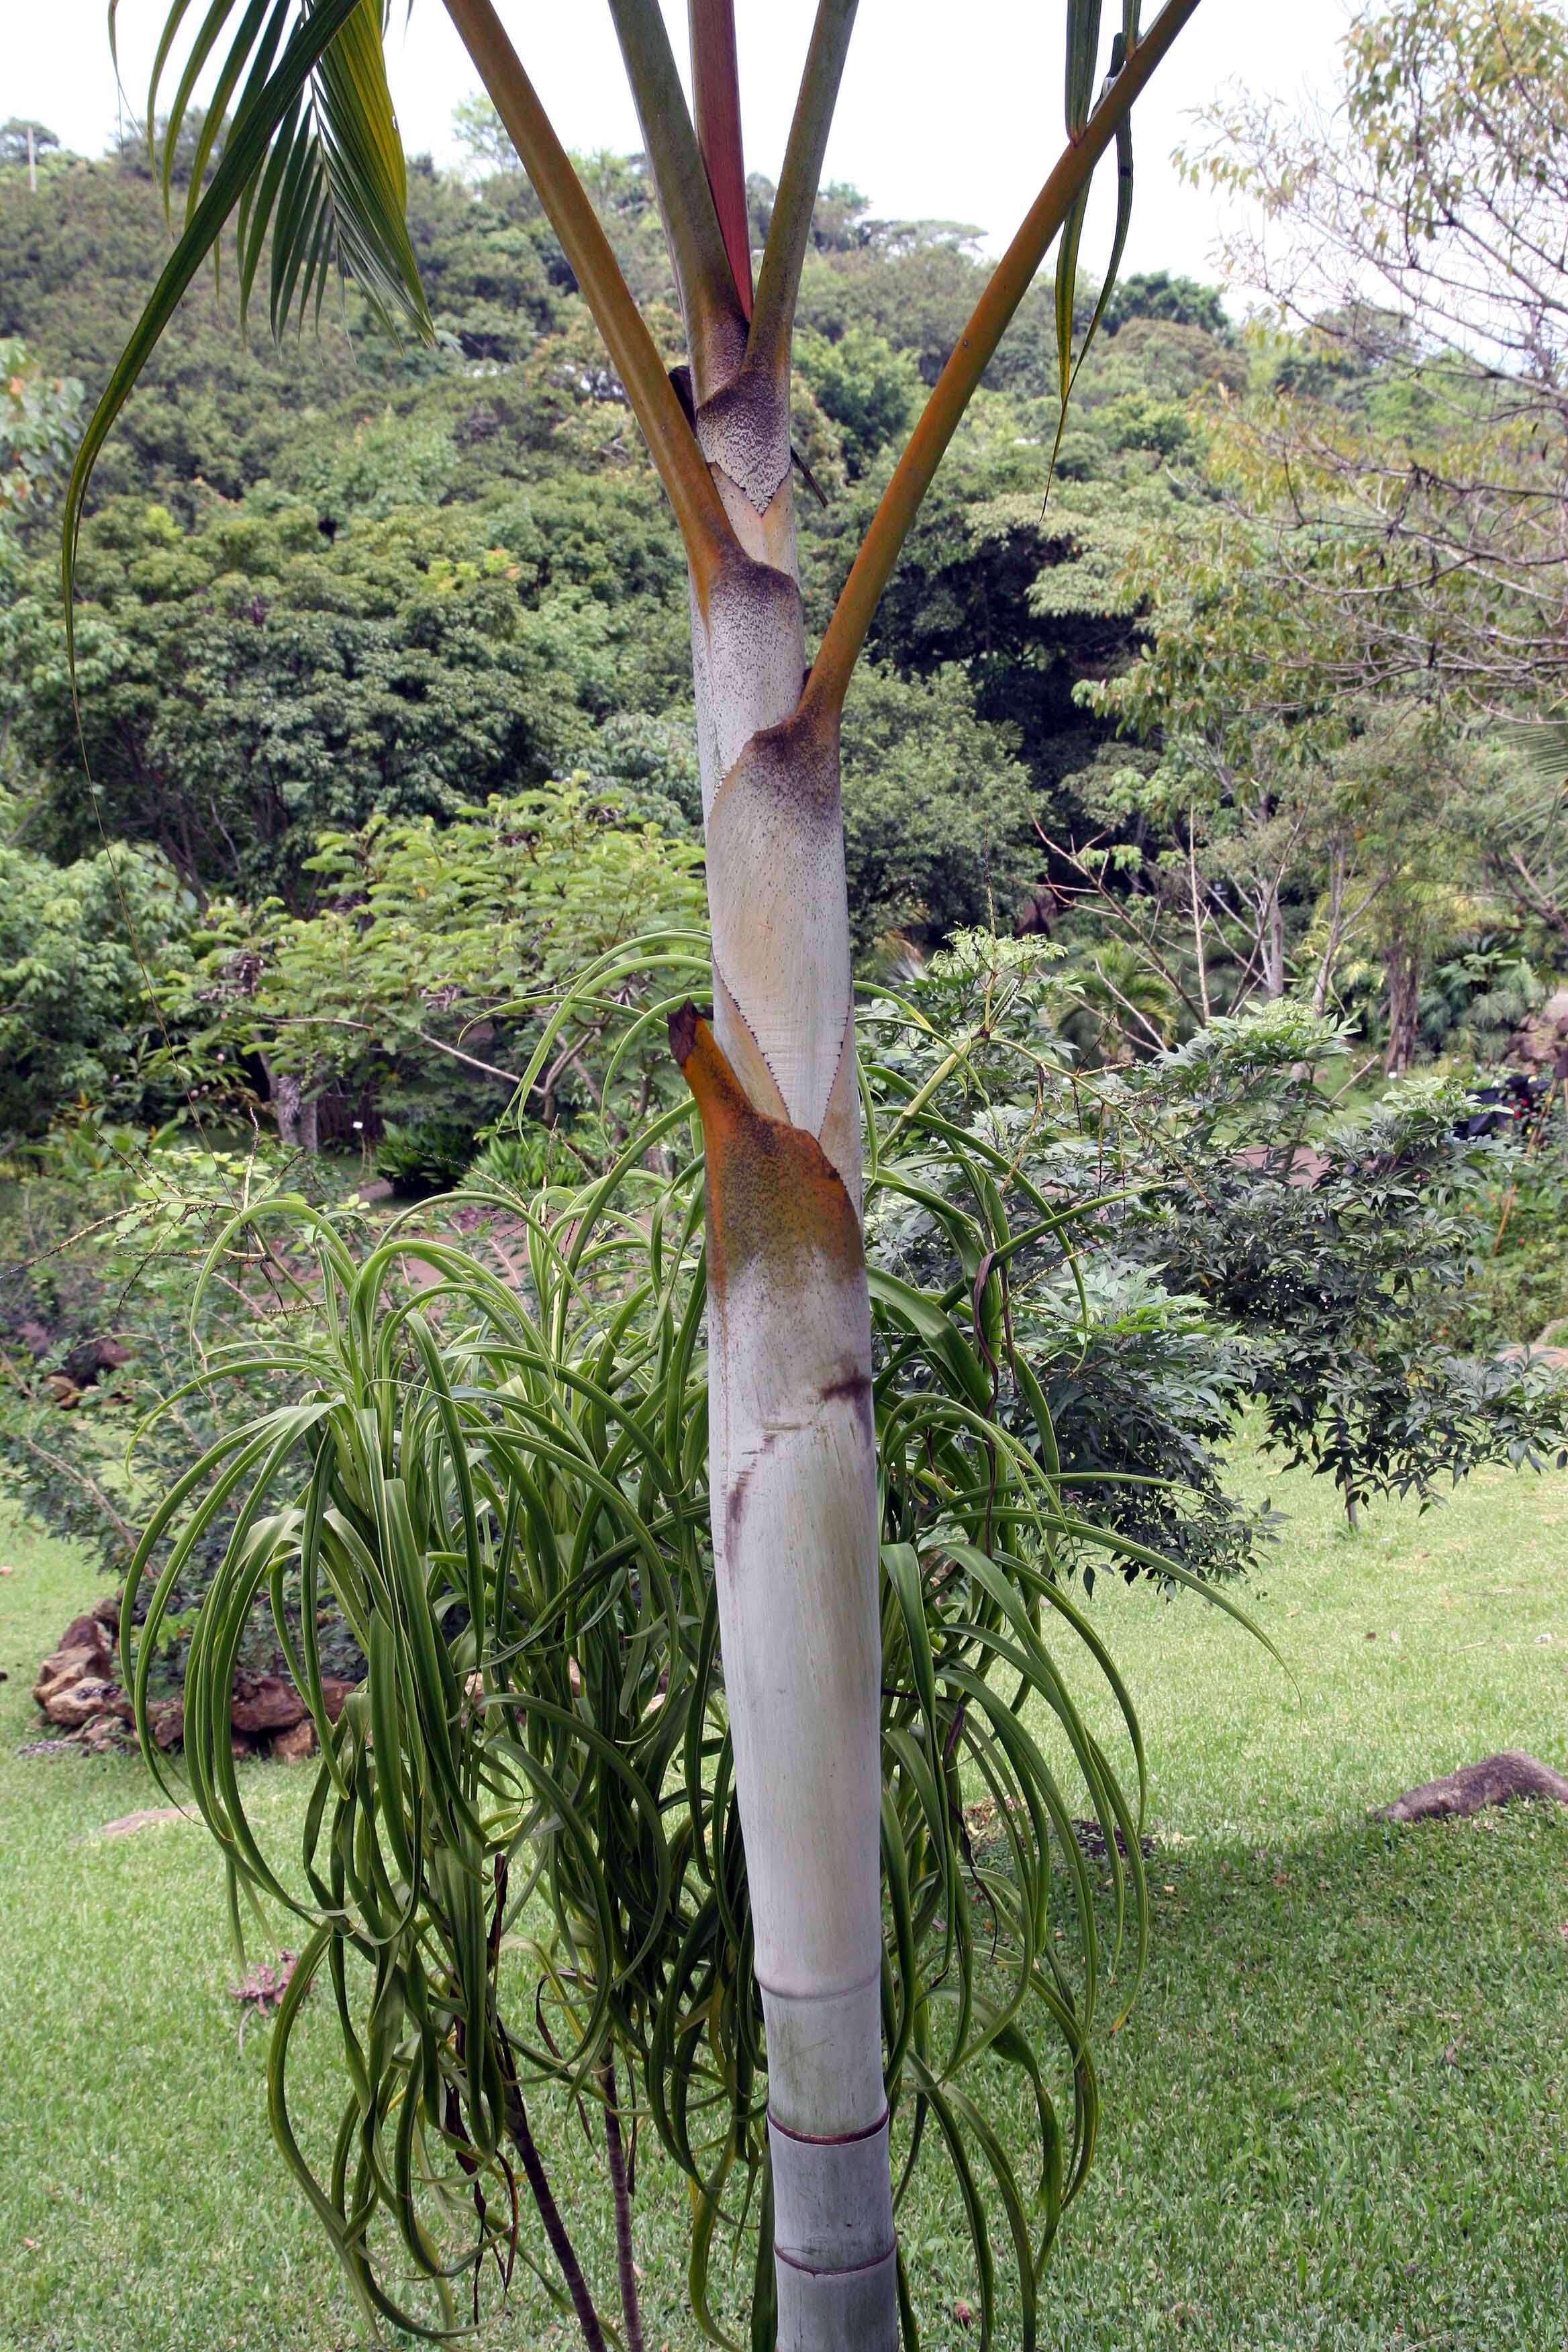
{"x": 361, "y": 581}
{"x": 1250, "y": 1245}
{"x": 75, "y": 941}
{"x": 1338, "y": 1250}
{"x": 385, "y": 708}
{"x": 402, "y": 585}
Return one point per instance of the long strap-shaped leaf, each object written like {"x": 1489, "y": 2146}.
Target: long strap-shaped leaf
{"x": 1083, "y": 48}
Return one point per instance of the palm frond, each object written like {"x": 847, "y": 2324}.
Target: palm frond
{"x": 1542, "y": 744}
{"x": 335, "y": 150}
{"x": 310, "y": 162}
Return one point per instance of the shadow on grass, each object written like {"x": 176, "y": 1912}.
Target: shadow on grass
{"x": 1338, "y": 2115}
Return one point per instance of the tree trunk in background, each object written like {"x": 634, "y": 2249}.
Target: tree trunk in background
{"x": 1403, "y": 973}
{"x": 297, "y": 1113}
{"x": 792, "y": 1457}
{"x": 1324, "y": 980}
{"x": 284, "y": 1095}
{"x": 1273, "y": 946}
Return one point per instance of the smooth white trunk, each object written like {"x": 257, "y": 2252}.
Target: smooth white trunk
{"x": 793, "y": 1454}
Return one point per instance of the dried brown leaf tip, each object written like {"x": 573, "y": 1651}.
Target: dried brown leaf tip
{"x": 683, "y": 1026}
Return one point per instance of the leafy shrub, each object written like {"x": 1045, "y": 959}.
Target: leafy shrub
{"x": 517, "y": 1533}
{"x": 1337, "y": 1247}
{"x": 105, "y": 1395}
{"x": 868, "y": 390}
{"x": 1145, "y": 1388}
{"x": 521, "y": 1159}
{"x": 75, "y": 941}
{"x": 1144, "y": 1384}
{"x": 937, "y": 808}
{"x": 440, "y": 951}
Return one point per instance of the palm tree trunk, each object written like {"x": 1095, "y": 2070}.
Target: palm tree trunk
{"x": 793, "y": 1462}
{"x": 793, "y": 1458}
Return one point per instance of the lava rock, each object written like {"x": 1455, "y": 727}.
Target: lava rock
{"x": 1495, "y": 1780}
{"x": 66, "y": 1672}
{"x": 86, "y": 1632}
{"x": 264, "y": 1703}
{"x": 83, "y": 1702}
{"x": 167, "y": 1722}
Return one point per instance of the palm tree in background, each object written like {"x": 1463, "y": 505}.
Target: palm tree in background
{"x": 298, "y": 149}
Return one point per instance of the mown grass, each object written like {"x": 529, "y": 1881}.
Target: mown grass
{"x": 1337, "y": 2117}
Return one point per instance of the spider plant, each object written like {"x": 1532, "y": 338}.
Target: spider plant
{"x": 523, "y": 1869}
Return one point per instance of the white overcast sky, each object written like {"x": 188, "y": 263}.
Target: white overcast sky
{"x": 927, "y": 124}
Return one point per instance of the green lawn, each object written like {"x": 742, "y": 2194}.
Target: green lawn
{"x": 1337, "y": 2117}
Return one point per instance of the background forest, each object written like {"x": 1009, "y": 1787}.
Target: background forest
{"x": 1205, "y": 780}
